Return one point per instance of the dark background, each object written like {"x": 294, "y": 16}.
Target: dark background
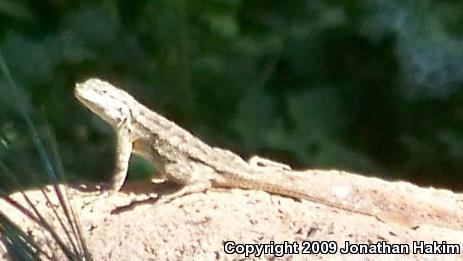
{"x": 367, "y": 86}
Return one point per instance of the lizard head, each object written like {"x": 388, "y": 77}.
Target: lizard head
{"x": 108, "y": 102}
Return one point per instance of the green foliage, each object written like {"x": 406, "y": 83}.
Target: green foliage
{"x": 369, "y": 86}
{"x": 19, "y": 244}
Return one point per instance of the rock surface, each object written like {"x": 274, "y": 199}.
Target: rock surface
{"x": 131, "y": 225}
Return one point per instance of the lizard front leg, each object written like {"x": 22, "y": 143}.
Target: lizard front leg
{"x": 123, "y": 152}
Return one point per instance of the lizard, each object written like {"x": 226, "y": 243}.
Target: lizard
{"x": 183, "y": 158}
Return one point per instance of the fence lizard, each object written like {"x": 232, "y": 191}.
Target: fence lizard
{"x": 184, "y": 158}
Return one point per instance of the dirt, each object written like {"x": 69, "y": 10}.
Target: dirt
{"x": 132, "y": 225}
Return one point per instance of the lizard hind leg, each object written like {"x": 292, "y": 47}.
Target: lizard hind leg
{"x": 193, "y": 177}
{"x": 259, "y": 162}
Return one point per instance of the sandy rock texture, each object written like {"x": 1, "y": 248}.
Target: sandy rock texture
{"x": 132, "y": 225}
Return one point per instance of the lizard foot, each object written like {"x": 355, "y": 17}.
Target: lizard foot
{"x": 259, "y": 162}
{"x": 188, "y": 189}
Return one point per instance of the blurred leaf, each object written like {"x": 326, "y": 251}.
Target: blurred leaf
{"x": 30, "y": 61}
{"x": 93, "y": 26}
{"x": 429, "y": 53}
{"x": 16, "y": 10}
{"x": 318, "y": 113}
{"x": 454, "y": 142}
{"x": 255, "y": 117}
{"x": 224, "y": 25}
{"x": 341, "y": 157}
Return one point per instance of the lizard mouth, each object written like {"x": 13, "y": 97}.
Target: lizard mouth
{"x": 78, "y": 93}
{"x": 83, "y": 100}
